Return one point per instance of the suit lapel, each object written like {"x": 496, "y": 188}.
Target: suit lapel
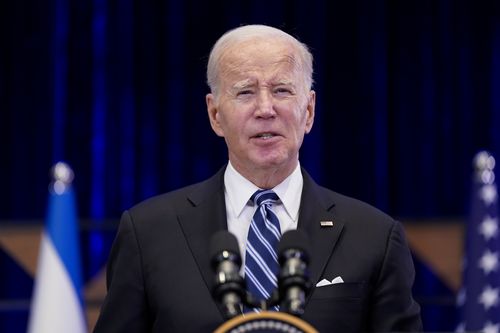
{"x": 316, "y": 206}
{"x": 206, "y": 216}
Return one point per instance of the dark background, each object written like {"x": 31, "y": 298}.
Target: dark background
{"x": 407, "y": 93}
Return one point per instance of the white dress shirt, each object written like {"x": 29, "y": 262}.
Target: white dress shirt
{"x": 240, "y": 209}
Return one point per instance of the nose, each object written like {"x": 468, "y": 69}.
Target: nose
{"x": 265, "y": 105}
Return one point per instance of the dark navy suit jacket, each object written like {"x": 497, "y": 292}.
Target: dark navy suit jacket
{"x": 159, "y": 277}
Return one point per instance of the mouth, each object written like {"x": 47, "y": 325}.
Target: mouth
{"x": 265, "y": 136}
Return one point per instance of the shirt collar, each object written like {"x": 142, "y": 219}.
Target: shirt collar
{"x": 239, "y": 190}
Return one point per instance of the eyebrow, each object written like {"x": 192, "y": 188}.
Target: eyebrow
{"x": 243, "y": 84}
{"x": 249, "y": 82}
{"x": 284, "y": 82}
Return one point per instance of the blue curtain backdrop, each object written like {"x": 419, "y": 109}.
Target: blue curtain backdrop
{"x": 408, "y": 92}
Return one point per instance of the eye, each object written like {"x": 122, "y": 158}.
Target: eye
{"x": 283, "y": 91}
{"x": 245, "y": 92}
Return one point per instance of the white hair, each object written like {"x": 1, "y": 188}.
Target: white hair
{"x": 248, "y": 32}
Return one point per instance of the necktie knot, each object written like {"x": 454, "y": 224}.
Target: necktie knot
{"x": 261, "y": 197}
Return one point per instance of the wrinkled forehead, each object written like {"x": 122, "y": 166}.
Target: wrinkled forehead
{"x": 271, "y": 55}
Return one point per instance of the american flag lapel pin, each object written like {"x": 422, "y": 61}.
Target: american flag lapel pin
{"x": 326, "y": 224}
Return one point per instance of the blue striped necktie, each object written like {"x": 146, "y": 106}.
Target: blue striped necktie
{"x": 261, "y": 261}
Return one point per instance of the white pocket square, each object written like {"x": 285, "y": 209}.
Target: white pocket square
{"x": 325, "y": 282}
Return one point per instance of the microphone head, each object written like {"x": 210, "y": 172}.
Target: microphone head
{"x": 294, "y": 240}
{"x": 229, "y": 287}
{"x": 293, "y": 281}
{"x": 224, "y": 245}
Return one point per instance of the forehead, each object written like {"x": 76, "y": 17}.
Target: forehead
{"x": 271, "y": 58}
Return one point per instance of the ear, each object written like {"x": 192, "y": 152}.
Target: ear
{"x": 311, "y": 104}
{"x": 213, "y": 114}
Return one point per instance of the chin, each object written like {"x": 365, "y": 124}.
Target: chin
{"x": 271, "y": 162}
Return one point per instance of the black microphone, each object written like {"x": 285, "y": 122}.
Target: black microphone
{"x": 226, "y": 261}
{"x": 294, "y": 284}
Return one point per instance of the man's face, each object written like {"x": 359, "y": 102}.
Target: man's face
{"x": 263, "y": 109}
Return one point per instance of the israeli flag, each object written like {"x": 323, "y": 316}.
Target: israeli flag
{"x": 57, "y": 304}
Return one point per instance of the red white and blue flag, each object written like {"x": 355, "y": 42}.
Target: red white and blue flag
{"x": 479, "y": 298}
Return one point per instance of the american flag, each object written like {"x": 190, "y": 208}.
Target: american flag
{"x": 479, "y": 298}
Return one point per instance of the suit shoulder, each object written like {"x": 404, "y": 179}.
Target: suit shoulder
{"x": 179, "y": 199}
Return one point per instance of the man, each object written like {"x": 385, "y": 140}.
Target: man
{"x": 159, "y": 277}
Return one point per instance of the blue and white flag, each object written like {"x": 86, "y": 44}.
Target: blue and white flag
{"x": 56, "y": 306}
{"x": 479, "y": 299}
